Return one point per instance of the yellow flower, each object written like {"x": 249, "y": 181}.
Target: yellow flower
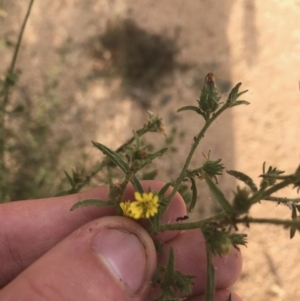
{"x": 125, "y": 206}
{"x": 144, "y": 206}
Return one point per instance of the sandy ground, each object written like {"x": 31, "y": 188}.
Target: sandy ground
{"x": 255, "y": 42}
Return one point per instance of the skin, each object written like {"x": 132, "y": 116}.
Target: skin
{"x": 50, "y": 253}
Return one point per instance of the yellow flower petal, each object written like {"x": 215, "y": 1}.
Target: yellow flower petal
{"x": 136, "y": 210}
{"x": 138, "y": 196}
{"x": 125, "y": 206}
{"x": 144, "y": 206}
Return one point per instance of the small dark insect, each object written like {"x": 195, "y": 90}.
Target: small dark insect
{"x": 181, "y": 218}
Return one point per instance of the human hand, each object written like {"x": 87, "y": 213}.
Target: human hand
{"x": 50, "y": 253}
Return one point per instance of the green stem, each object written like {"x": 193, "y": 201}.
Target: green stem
{"x": 192, "y": 225}
{"x": 273, "y": 221}
{"x": 182, "y": 174}
{"x": 125, "y": 183}
{"x": 284, "y": 201}
{"x": 210, "y": 278}
{"x": 16, "y": 52}
{"x": 279, "y": 186}
{"x": 261, "y": 194}
{"x": 3, "y": 104}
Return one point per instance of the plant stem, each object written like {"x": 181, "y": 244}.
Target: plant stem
{"x": 192, "y": 225}
{"x": 284, "y": 201}
{"x": 261, "y": 194}
{"x": 279, "y": 186}
{"x": 274, "y": 221}
{"x": 182, "y": 174}
{"x": 3, "y": 104}
{"x": 210, "y": 278}
{"x": 16, "y": 52}
{"x": 125, "y": 183}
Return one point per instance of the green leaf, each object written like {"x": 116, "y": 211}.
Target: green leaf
{"x": 116, "y": 159}
{"x": 92, "y": 202}
{"x": 244, "y": 178}
{"x": 163, "y": 190}
{"x": 70, "y": 179}
{"x": 189, "y": 108}
{"x": 240, "y": 102}
{"x": 155, "y": 220}
{"x": 241, "y": 93}
{"x": 194, "y": 194}
{"x": 234, "y": 95}
{"x": 136, "y": 184}
{"x": 193, "y": 108}
{"x": 137, "y": 139}
{"x": 113, "y": 156}
{"x": 218, "y": 195}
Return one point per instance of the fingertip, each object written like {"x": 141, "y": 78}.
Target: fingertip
{"x": 229, "y": 268}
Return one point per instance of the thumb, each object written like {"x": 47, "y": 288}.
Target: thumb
{"x": 111, "y": 258}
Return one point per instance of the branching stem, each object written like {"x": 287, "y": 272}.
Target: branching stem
{"x": 182, "y": 174}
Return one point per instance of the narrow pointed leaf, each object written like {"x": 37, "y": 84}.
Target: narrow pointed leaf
{"x": 92, "y": 202}
{"x": 195, "y": 109}
{"x": 244, "y": 178}
{"x": 70, "y": 179}
{"x": 119, "y": 162}
{"x": 136, "y": 184}
{"x": 113, "y": 156}
{"x": 189, "y": 108}
{"x": 218, "y": 195}
{"x": 241, "y": 93}
{"x": 194, "y": 194}
{"x": 163, "y": 190}
{"x": 240, "y": 102}
{"x": 155, "y": 221}
{"x": 137, "y": 139}
{"x": 292, "y": 232}
{"x": 232, "y": 97}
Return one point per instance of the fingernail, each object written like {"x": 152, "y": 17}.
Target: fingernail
{"x": 124, "y": 255}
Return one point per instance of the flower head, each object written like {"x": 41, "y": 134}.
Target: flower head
{"x": 144, "y": 206}
{"x": 125, "y": 206}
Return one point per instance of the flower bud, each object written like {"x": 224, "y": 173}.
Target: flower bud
{"x": 241, "y": 202}
{"x": 209, "y": 98}
{"x": 213, "y": 168}
{"x": 219, "y": 242}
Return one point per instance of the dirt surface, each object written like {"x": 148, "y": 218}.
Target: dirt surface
{"x": 255, "y": 42}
